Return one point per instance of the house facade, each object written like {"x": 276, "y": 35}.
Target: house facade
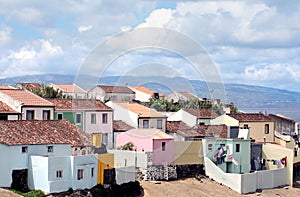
{"x": 261, "y": 126}
{"x": 7, "y": 113}
{"x": 112, "y": 93}
{"x": 159, "y": 144}
{"x": 92, "y": 116}
{"x": 44, "y": 149}
{"x": 193, "y": 117}
{"x": 182, "y": 132}
{"x": 284, "y": 125}
{"x": 31, "y": 106}
{"x": 144, "y": 94}
{"x": 138, "y": 116}
{"x": 72, "y": 90}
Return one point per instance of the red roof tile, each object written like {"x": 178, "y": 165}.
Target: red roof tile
{"x": 202, "y": 113}
{"x": 119, "y": 125}
{"x": 26, "y": 97}
{"x": 25, "y": 132}
{"x": 5, "y": 109}
{"x": 30, "y": 86}
{"x": 251, "y": 117}
{"x": 70, "y": 88}
{"x": 116, "y": 89}
{"x": 183, "y": 129}
{"x": 145, "y": 90}
{"x": 79, "y": 104}
{"x": 218, "y": 131}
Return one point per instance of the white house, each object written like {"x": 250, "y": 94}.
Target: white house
{"x": 112, "y": 93}
{"x": 144, "y": 94}
{"x": 138, "y": 116}
{"x": 72, "y": 90}
{"x": 44, "y": 150}
{"x": 193, "y": 117}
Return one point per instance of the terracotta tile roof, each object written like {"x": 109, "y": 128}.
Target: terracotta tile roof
{"x": 202, "y": 113}
{"x": 141, "y": 110}
{"x": 25, "y": 132}
{"x": 6, "y": 87}
{"x": 119, "y": 125}
{"x": 70, "y": 88}
{"x": 116, "y": 89}
{"x": 251, "y": 117}
{"x": 145, "y": 90}
{"x": 152, "y": 133}
{"x": 282, "y": 117}
{"x": 30, "y": 86}
{"x": 26, "y": 97}
{"x": 5, "y": 109}
{"x": 217, "y": 131}
{"x": 79, "y": 104}
{"x": 187, "y": 95}
{"x": 183, "y": 129}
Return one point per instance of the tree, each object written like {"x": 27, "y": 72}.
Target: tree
{"x": 127, "y": 146}
{"x": 49, "y": 92}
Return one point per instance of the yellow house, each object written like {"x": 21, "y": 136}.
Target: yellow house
{"x": 105, "y": 162}
{"x": 261, "y": 126}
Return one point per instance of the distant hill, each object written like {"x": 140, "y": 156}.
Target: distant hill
{"x": 245, "y": 97}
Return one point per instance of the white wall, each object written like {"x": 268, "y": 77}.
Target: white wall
{"x": 121, "y": 113}
{"x": 85, "y": 162}
{"x": 38, "y": 173}
{"x": 5, "y": 166}
{"x": 123, "y": 158}
{"x": 125, "y": 174}
{"x": 183, "y": 116}
{"x": 38, "y": 112}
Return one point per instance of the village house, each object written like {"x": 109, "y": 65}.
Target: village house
{"x": 90, "y": 115}
{"x": 185, "y": 96}
{"x": 284, "y": 125}
{"x": 261, "y": 126}
{"x": 193, "y": 117}
{"x": 7, "y": 113}
{"x": 28, "y": 86}
{"x": 120, "y": 127}
{"x": 138, "y": 116}
{"x": 231, "y": 123}
{"x": 112, "y": 93}
{"x": 182, "y": 132}
{"x": 71, "y": 90}
{"x": 50, "y": 155}
{"x": 159, "y": 144}
{"x": 144, "y": 94}
{"x": 31, "y": 106}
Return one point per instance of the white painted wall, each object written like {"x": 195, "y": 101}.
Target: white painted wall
{"x": 125, "y": 174}
{"x": 16, "y": 105}
{"x": 6, "y": 164}
{"x": 38, "y": 173}
{"x": 140, "y": 96}
{"x": 121, "y": 113}
{"x": 38, "y": 112}
{"x": 183, "y": 116}
{"x": 85, "y": 162}
{"x": 123, "y": 158}
{"x": 225, "y": 119}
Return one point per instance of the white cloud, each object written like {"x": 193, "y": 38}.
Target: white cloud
{"x": 5, "y": 35}
{"x": 84, "y": 28}
{"x": 158, "y": 18}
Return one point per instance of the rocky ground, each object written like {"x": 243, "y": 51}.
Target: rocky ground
{"x": 205, "y": 187}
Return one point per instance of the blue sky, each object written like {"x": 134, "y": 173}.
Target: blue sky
{"x": 251, "y": 42}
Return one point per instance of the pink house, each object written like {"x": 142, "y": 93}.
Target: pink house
{"x": 160, "y": 144}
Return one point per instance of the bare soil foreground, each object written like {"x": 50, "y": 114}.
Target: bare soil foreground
{"x": 205, "y": 187}
{"x": 7, "y": 193}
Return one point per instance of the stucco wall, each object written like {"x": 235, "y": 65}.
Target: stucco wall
{"x": 183, "y": 116}
{"x": 99, "y": 127}
{"x": 38, "y": 112}
{"x": 188, "y": 152}
{"x": 161, "y": 157}
{"x": 225, "y": 119}
{"x": 123, "y": 158}
{"x": 140, "y": 142}
{"x": 125, "y": 174}
{"x": 257, "y": 131}
{"x": 153, "y": 123}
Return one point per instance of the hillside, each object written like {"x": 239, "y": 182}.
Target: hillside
{"x": 246, "y": 97}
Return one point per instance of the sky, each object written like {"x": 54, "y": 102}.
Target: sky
{"x": 250, "y": 42}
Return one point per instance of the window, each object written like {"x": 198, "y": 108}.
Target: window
{"x": 145, "y": 123}
{"x": 79, "y": 174}
{"x": 209, "y": 147}
{"x": 92, "y": 172}
{"x": 30, "y": 115}
{"x": 59, "y": 173}
{"x": 237, "y": 148}
{"x": 159, "y": 124}
{"x": 50, "y": 149}
{"x": 59, "y": 116}
{"x": 78, "y": 118}
{"x": 104, "y": 118}
{"x": 267, "y": 129}
{"x": 46, "y": 114}
{"x": 24, "y": 149}
{"x": 93, "y": 119}
{"x": 246, "y": 126}
{"x": 163, "y": 146}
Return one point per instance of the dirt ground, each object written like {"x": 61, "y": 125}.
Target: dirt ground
{"x": 7, "y": 193}
{"x": 205, "y": 187}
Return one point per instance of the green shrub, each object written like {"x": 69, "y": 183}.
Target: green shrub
{"x": 34, "y": 193}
